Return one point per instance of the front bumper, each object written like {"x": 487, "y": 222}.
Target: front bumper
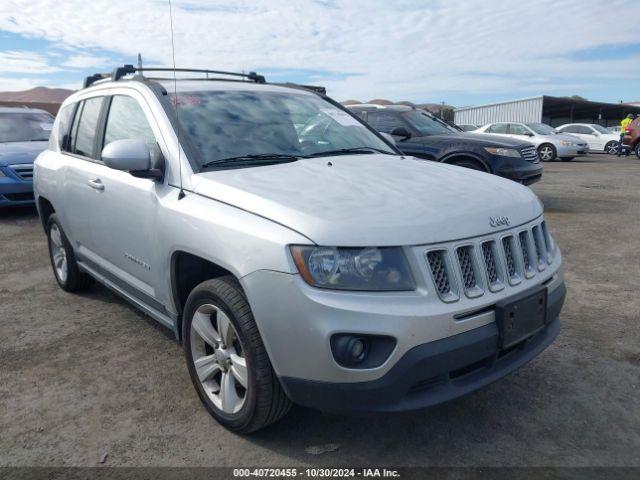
{"x": 14, "y": 190}
{"x": 519, "y": 170}
{"x": 563, "y": 151}
{"x": 432, "y": 373}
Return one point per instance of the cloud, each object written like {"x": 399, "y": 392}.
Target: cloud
{"x": 405, "y": 49}
{"x": 85, "y": 61}
{"x": 14, "y": 61}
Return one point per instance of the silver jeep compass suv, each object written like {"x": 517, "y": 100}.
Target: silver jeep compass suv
{"x": 297, "y": 255}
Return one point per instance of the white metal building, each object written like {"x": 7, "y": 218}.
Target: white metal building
{"x": 553, "y": 111}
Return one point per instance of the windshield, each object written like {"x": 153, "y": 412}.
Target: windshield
{"x": 25, "y": 127}
{"x": 600, "y": 128}
{"x": 541, "y": 128}
{"x": 237, "y": 123}
{"x": 426, "y": 124}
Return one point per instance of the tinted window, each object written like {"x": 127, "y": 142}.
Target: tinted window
{"x": 85, "y": 127}
{"x": 426, "y": 124}
{"x": 384, "y": 122}
{"x": 65, "y": 115}
{"x": 570, "y": 129}
{"x": 126, "y": 120}
{"x": 541, "y": 128}
{"x": 497, "y": 128}
{"x": 25, "y": 127}
{"x": 600, "y": 129}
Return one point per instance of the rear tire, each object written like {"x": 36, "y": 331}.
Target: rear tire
{"x": 547, "y": 152}
{"x": 612, "y": 147}
{"x": 63, "y": 259}
{"x": 233, "y": 377}
{"x": 638, "y": 150}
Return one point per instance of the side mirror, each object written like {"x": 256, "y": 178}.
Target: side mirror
{"x": 388, "y": 138}
{"x": 130, "y": 156}
{"x": 401, "y": 132}
{"x": 528, "y": 134}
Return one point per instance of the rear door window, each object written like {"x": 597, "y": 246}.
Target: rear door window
{"x": 517, "y": 129}
{"x": 85, "y": 128}
{"x": 497, "y": 128}
{"x": 384, "y": 122}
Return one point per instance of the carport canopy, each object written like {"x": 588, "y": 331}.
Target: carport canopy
{"x": 557, "y": 111}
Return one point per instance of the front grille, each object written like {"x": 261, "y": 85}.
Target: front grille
{"x": 24, "y": 171}
{"x": 530, "y": 154}
{"x": 489, "y": 265}
{"x": 466, "y": 267}
{"x": 490, "y": 262}
{"x": 439, "y": 271}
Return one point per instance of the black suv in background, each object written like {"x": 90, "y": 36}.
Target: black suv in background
{"x": 422, "y": 135}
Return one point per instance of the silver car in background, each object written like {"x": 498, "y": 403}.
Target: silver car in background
{"x": 550, "y": 144}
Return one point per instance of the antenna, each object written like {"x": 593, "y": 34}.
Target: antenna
{"x": 181, "y": 194}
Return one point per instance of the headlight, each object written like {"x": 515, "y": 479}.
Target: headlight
{"x": 367, "y": 268}
{"x": 503, "y": 152}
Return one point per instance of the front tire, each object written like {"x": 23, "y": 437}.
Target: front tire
{"x": 612, "y": 147}
{"x": 227, "y": 361}
{"x": 63, "y": 259}
{"x": 547, "y": 152}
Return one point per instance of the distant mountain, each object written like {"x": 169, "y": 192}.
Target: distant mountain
{"x": 37, "y": 94}
{"x": 351, "y": 102}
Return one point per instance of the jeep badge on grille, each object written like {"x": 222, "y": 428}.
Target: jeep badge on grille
{"x": 499, "y": 221}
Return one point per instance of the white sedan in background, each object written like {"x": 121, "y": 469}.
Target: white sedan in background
{"x": 598, "y": 138}
{"x": 550, "y": 144}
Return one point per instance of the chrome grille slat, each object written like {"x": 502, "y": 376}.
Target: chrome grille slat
{"x": 490, "y": 262}
{"x": 524, "y": 247}
{"x": 466, "y": 267}
{"x": 439, "y": 271}
{"x": 530, "y": 154}
{"x": 508, "y": 254}
{"x": 24, "y": 171}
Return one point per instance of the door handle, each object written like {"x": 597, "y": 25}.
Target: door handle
{"x": 96, "y": 184}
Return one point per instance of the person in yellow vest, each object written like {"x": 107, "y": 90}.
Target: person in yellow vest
{"x": 624, "y": 124}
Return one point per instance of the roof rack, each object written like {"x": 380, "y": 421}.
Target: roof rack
{"x": 120, "y": 72}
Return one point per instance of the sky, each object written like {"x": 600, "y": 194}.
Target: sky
{"x": 465, "y": 52}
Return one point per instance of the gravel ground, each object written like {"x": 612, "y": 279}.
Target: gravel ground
{"x": 86, "y": 375}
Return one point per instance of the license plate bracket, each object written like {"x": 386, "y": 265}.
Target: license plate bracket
{"x": 521, "y": 318}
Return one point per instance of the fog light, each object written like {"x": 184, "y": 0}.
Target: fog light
{"x": 357, "y": 348}
{"x": 353, "y": 350}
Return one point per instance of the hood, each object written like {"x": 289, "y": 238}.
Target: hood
{"x": 20, "y": 152}
{"x": 469, "y": 138}
{"x": 373, "y": 200}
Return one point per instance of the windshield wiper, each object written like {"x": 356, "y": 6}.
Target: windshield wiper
{"x": 251, "y": 159}
{"x": 347, "y": 151}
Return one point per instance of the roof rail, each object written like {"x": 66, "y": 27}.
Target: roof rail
{"x": 120, "y": 72}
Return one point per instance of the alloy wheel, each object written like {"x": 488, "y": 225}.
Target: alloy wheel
{"x": 612, "y": 148}
{"x": 218, "y": 358}
{"x": 546, "y": 153}
{"x": 58, "y": 254}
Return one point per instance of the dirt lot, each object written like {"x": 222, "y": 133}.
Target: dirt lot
{"x": 84, "y": 375}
